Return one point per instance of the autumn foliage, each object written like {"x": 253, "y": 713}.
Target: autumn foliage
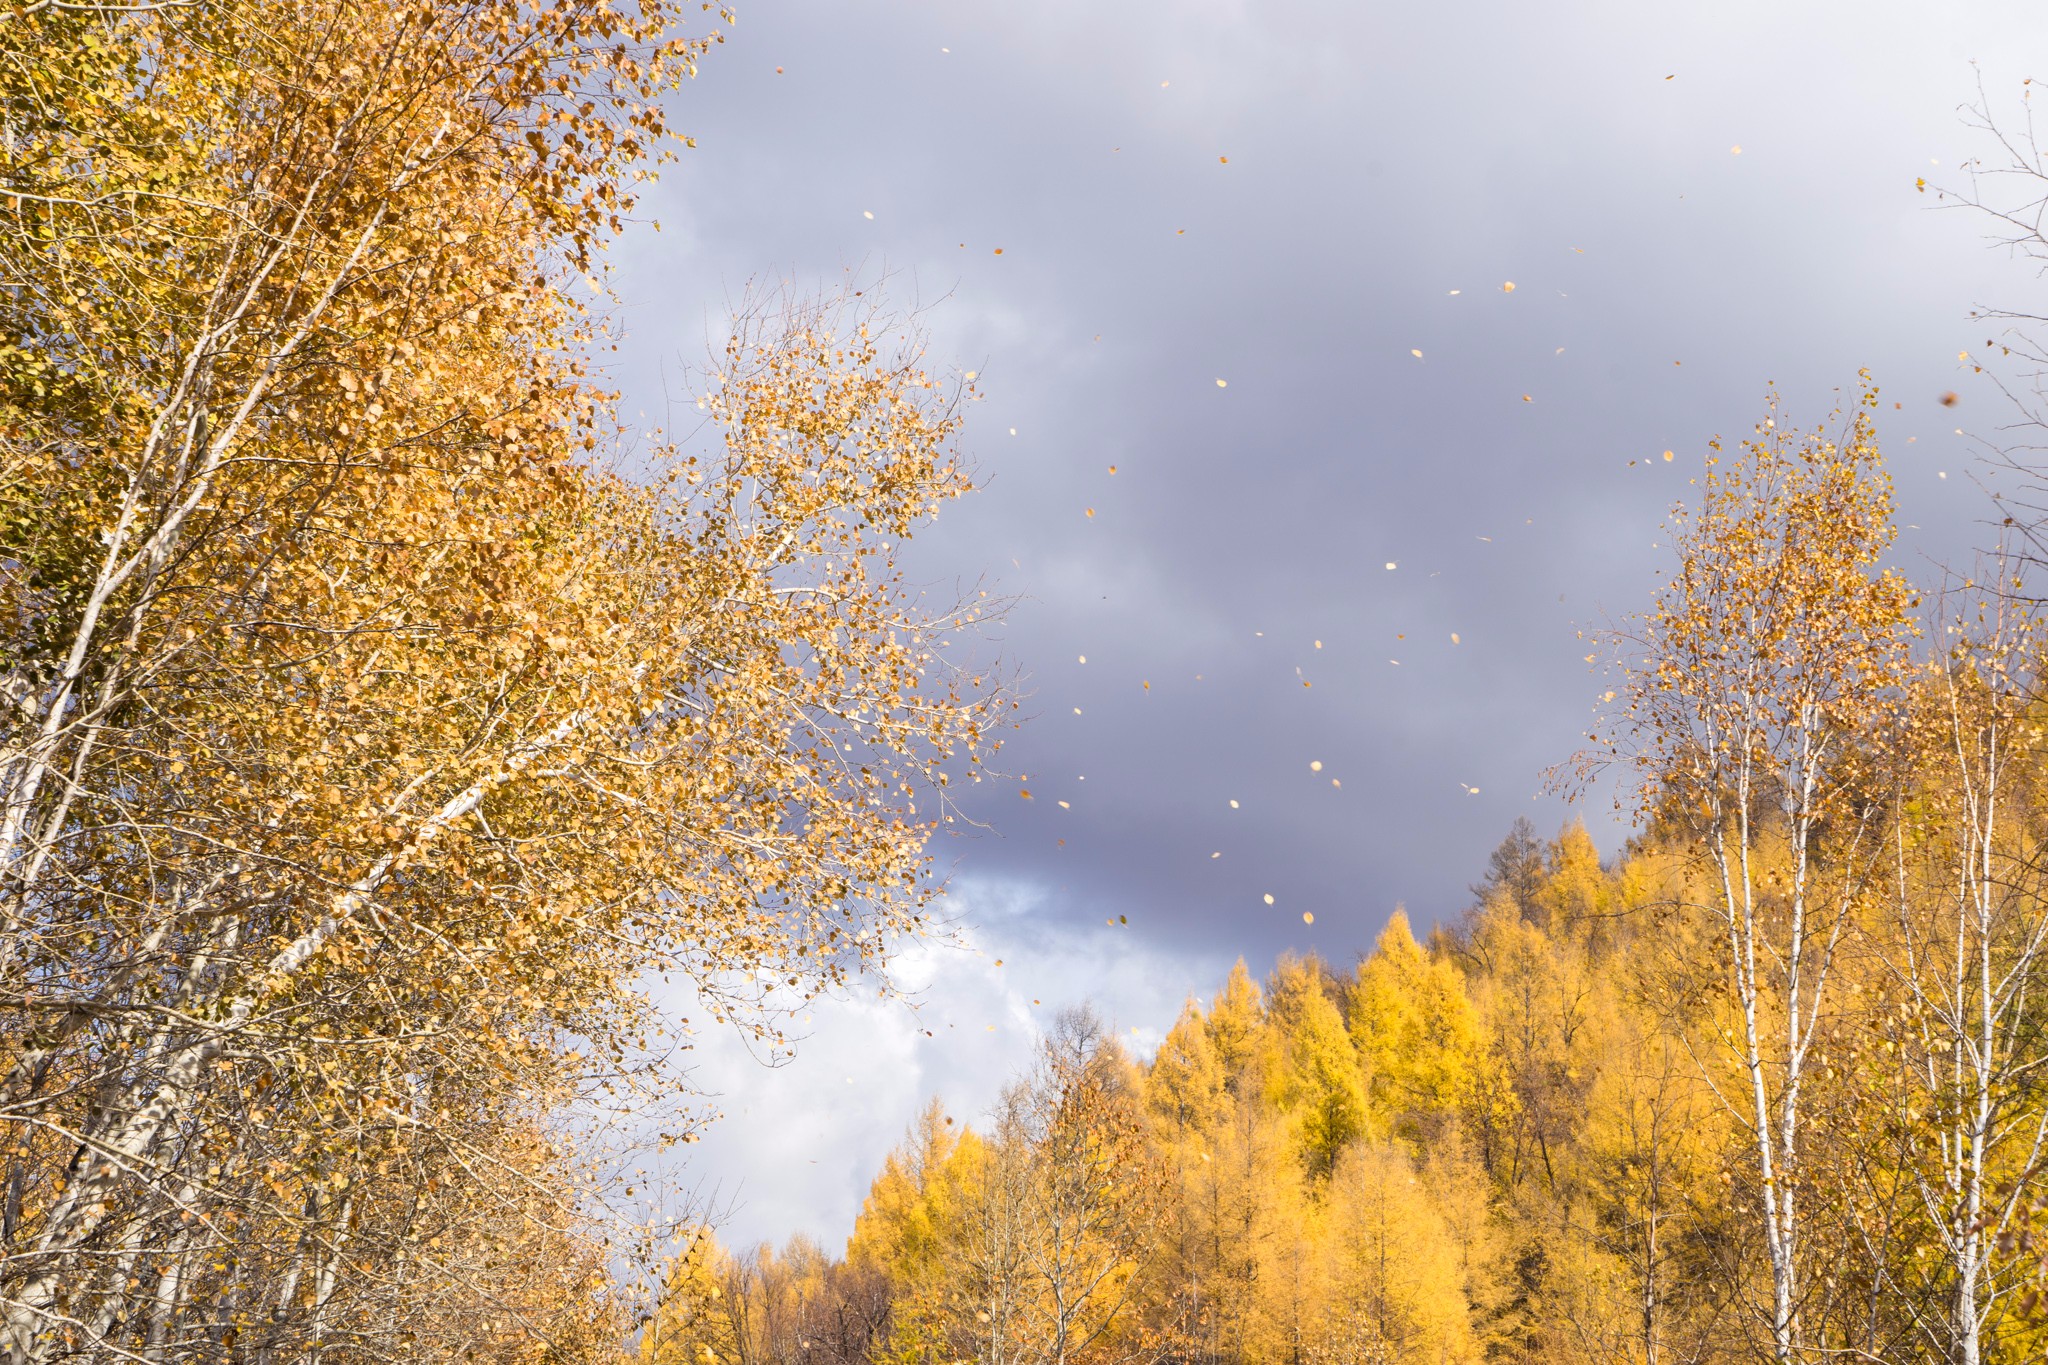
{"x": 1768, "y": 1085}
{"x": 374, "y": 724}
{"x": 1522, "y": 1140}
{"x": 379, "y": 717}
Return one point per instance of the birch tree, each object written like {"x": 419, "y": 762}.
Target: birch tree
{"x": 1965, "y": 947}
{"x": 368, "y": 736}
{"x": 1769, "y": 668}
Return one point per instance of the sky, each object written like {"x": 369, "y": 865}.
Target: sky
{"x": 1323, "y": 633}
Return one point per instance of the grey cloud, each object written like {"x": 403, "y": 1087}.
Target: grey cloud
{"x": 1379, "y": 157}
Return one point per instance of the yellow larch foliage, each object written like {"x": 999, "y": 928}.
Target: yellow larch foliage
{"x": 1186, "y": 1080}
{"x": 1396, "y": 1281}
{"x": 1236, "y": 1017}
{"x": 1418, "y": 1032}
{"x": 1320, "y": 1083}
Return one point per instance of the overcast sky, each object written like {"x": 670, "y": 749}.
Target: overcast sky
{"x": 1105, "y": 209}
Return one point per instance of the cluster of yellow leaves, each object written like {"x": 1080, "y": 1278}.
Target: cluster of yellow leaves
{"x": 374, "y": 731}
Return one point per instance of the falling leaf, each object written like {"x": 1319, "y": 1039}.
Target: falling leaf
{"x": 866, "y": 214}
{"x": 999, "y": 251}
{"x": 1224, "y": 160}
{"x": 1233, "y": 805}
{"x": 1269, "y": 898}
{"x": 1457, "y": 291}
{"x": 1949, "y": 399}
{"x": 1527, "y": 399}
{"x": 1508, "y": 288}
{"x": 1315, "y": 765}
{"x": 1024, "y": 792}
{"x": 1736, "y": 150}
{"x": 1112, "y": 469}
{"x": 1454, "y": 637}
{"x": 1308, "y": 917}
{"x": 1319, "y": 644}
{"x": 1667, "y": 457}
{"x": 1391, "y": 564}
{"x": 1217, "y": 854}
{"x": 1091, "y": 511}
{"x": 1123, "y": 919}
{"x": 1222, "y": 383}
{"x": 1083, "y": 658}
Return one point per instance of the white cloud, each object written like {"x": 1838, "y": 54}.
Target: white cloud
{"x": 799, "y": 1142}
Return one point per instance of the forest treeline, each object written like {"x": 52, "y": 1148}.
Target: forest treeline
{"x": 1495, "y": 1143}
{"x": 1770, "y": 1086}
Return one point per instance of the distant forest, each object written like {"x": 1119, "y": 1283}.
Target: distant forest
{"x": 1769, "y": 1086}
{"x": 1518, "y": 1139}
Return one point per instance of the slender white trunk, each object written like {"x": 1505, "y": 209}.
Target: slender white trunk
{"x": 1780, "y": 1224}
{"x": 324, "y": 1282}
{"x": 168, "y": 1298}
{"x": 88, "y": 1201}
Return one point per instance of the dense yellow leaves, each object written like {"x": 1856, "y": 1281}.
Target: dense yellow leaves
{"x": 1416, "y": 1029}
{"x": 376, "y": 727}
{"x": 1319, "y": 1083}
{"x": 1486, "y": 1147}
{"x": 1779, "y": 637}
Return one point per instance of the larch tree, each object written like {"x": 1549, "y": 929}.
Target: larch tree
{"x": 1397, "y": 1291}
{"x": 1416, "y": 1031}
{"x": 1321, "y": 1082}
